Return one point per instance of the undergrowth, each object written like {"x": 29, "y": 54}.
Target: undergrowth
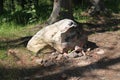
{"x": 12, "y": 31}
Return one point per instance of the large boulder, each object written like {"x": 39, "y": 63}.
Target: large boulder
{"x": 63, "y": 35}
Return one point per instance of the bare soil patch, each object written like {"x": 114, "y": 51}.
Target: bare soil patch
{"x": 95, "y": 65}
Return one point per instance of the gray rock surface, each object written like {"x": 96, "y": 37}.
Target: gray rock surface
{"x": 72, "y": 55}
{"x": 62, "y": 36}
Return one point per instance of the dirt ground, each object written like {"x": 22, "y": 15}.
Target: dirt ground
{"x": 95, "y": 65}
{"x": 100, "y": 62}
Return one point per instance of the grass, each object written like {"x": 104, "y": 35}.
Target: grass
{"x": 2, "y": 54}
{"x": 80, "y": 18}
{"x": 80, "y": 15}
{"x": 12, "y": 31}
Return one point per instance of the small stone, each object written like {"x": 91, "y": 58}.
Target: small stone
{"x": 48, "y": 63}
{"x": 65, "y": 54}
{"x": 83, "y": 63}
{"x": 83, "y": 57}
{"x": 11, "y": 52}
{"x": 84, "y": 54}
{"x": 39, "y": 61}
{"x": 100, "y": 51}
{"x": 88, "y": 49}
{"x": 59, "y": 57}
{"x": 53, "y": 56}
{"x": 77, "y": 48}
{"x": 55, "y": 53}
{"x": 80, "y": 54}
{"x": 72, "y": 55}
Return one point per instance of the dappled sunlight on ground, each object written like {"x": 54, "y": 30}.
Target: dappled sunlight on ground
{"x": 21, "y": 65}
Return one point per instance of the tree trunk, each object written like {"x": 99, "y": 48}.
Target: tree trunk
{"x": 97, "y": 7}
{"x": 1, "y": 6}
{"x": 61, "y": 9}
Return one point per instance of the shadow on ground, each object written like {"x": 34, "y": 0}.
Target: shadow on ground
{"x": 25, "y": 73}
{"x": 29, "y": 73}
{"x": 14, "y": 43}
{"x": 110, "y": 25}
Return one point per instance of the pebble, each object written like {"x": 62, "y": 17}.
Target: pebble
{"x": 39, "y": 61}
{"x": 77, "y": 48}
{"x": 83, "y": 63}
{"x": 73, "y": 55}
{"x": 100, "y": 51}
{"x": 55, "y": 53}
{"x": 59, "y": 57}
{"x": 80, "y": 54}
{"x": 48, "y": 63}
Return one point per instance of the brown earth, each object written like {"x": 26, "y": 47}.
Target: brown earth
{"x": 100, "y": 62}
{"x": 92, "y": 66}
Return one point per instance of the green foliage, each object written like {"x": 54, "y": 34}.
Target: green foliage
{"x": 3, "y": 54}
{"x": 13, "y": 31}
{"x": 27, "y": 13}
{"x": 31, "y": 12}
{"x": 78, "y": 10}
{"x": 16, "y": 21}
{"x": 82, "y": 19}
{"x": 113, "y": 5}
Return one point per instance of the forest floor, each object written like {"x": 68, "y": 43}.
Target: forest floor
{"x": 101, "y": 62}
